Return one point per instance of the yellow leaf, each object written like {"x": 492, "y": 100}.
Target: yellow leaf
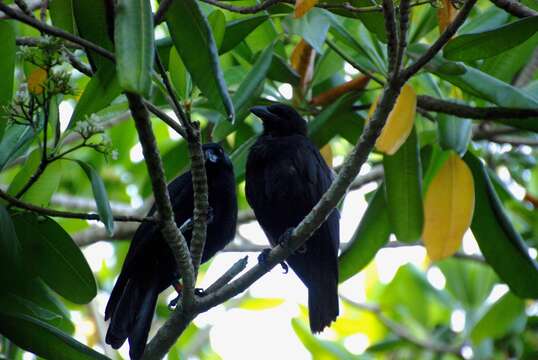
{"x": 327, "y": 154}
{"x": 446, "y": 14}
{"x": 399, "y": 122}
{"x": 303, "y": 6}
{"x": 448, "y": 208}
{"x": 302, "y": 60}
{"x": 36, "y": 80}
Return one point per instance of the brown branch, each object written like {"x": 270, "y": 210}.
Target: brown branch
{"x": 404, "y": 25}
{"x": 464, "y": 111}
{"x": 514, "y": 8}
{"x": 440, "y": 42}
{"x": 329, "y": 96}
{"x": 66, "y": 214}
{"x": 392, "y": 37}
{"x": 169, "y": 230}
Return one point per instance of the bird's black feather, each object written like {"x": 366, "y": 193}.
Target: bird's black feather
{"x": 150, "y": 268}
{"x": 285, "y": 177}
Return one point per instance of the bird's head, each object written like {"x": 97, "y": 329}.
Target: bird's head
{"x": 280, "y": 120}
{"x": 215, "y": 157}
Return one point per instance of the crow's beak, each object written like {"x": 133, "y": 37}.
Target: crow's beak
{"x": 262, "y": 112}
{"x": 211, "y": 156}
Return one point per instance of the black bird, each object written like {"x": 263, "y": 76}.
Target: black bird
{"x": 285, "y": 177}
{"x": 150, "y": 267}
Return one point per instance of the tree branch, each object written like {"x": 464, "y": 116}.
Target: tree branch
{"x": 464, "y": 111}
{"x": 440, "y": 42}
{"x": 515, "y": 8}
{"x": 169, "y": 230}
{"x": 392, "y": 36}
{"x": 66, "y": 214}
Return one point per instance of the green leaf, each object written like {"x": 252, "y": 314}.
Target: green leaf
{"x": 320, "y": 349}
{"x": 243, "y": 99}
{"x": 7, "y": 67}
{"x": 199, "y": 52}
{"x": 133, "y": 36}
{"x": 281, "y": 71}
{"x": 237, "y": 30}
{"x": 50, "y": 253}
{"x": 10, "y": 250}
{"x": 61, "y": 14}
{"x": 239, "y": 158}
{"x": 92, "y": 21}
{"x": 217, "y": 21}
{"x": 312, "y": 27}
{"x": 433, "y": 165}
{"x": 98, "y": 94}
{"x": 454, "y": 134}
{"x": 499, "y": 319}
{"x": 181, "y": 79}
{"x": 437, "y": 64}
{"x": 501, "y": 245}
{"x": 469, "y": 282}
{"x": 329, "y": 121}
{"x": 42, "y": 339}
{"x": 403, "y": 183}
{"x": 101, "y": 198}
{"x": 372, "y": 233}
{"x": 485, "y": 44}
{"x": 15, "y": 141}
{"x": 46, "y": 185}
{"x": 257, "y": 304}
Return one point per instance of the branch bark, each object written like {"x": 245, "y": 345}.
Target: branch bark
{"x": 515, "y": 8}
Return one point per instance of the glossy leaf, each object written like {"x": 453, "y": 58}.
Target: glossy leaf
{"x": 485, "y": 44}
{"x": 303, "y": 6}
{"x": 237, "y": 30}
{"x": 181, "y": 79}
{"x": 501, "y": 245}
{"x": 50, "y": 252}
{"x": 258, "y": 304}
{"x": 61, "y": 15}
{"x": 244, "y": 98}
{"x": 217, "y": 21}
{"x": 239, "y": 158}
{"x": 403, "y": 187}
{"x": 100, "y": 195}
{"x": 499, "y": 319}
{"x": 399, "y": 121}
{"x": 10, "y": 249}
{"x": 199, "y": 52}
{"x": 448, "y": 208}
{"x": 14, "y": 142}
{"x": 372, "y": 233}
{"x": 7, "y": 67}
{"x": 45, "y": 340}
{"x": 323, "y": 349}
{"x": 312, "y": 27}
{"x": 133, "y": 36}
{"x": 98, "y": 93}
{"x": 454, "y": 133}
{"x": 92, "y": 19}
{"x": 46, "y": 185}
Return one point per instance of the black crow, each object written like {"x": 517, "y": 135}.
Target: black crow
{"x": 150, "y": 267}
{"x": 285, "y": 177}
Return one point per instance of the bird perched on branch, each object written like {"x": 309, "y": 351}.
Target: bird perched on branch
{"x": 150, "y": 267}
{"x": 285, "y": 177}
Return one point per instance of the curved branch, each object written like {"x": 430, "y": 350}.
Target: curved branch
{"x": 67, "y": 214}
{"x": 514, "y": 8}
{"x": 491, "y": 113}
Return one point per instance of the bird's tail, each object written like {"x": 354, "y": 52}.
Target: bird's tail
{"x": 131, "y": 318}
{"x": 322, "y": 303}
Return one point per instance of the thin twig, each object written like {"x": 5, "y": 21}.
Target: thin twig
{"x": 464, "y": 111}
{"x": 229, "y": 275}
{"x": 404, "y": 25}
{"x": 440, "y": 42}
{"x": 67, "y": 214}
{"x": 392, "y": 37}
{"x": 514, "y": 8}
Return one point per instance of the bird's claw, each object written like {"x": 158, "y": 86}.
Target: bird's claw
{"x": 186, "y": 226}
{"x": 262, "y": 259}
{"x": 173, "y": 303}
{"x": 284, "y": 239}
{"x": 199, "y": 292}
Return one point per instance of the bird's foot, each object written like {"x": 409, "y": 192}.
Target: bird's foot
{"x": 262, "y": 259}
{"x": 199, "y": 292}
{"x": 284, "y": 240}
{"x": 173, "y": 303}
